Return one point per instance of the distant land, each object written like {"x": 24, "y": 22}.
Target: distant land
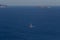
{"x": 43, "y": 6}
{"x": 3, "y": 6}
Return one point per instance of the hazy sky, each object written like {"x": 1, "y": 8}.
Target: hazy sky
{"x": 30, "y": 2}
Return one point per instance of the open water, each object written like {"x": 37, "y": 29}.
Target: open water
{"x": 14, "y": 23}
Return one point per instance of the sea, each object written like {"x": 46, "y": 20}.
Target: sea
{"x": 14, "y": 23}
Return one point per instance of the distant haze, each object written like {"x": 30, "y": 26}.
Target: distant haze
{"x": 30, "y": 2}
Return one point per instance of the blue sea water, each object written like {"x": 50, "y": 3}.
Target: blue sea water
{"x": 14, "y": 23}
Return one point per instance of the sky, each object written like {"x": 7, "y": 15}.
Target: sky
{"x": 30, "y": 2}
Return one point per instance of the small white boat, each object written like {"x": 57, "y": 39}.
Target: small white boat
{"x": 31, "y": 26}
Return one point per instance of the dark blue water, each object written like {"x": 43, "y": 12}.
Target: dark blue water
{"x": 14, "y": 23}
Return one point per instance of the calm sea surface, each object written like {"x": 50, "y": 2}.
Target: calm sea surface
{"x": 14, "y": 23}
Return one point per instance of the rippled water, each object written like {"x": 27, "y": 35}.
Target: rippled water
{"x": 14, "y": 23}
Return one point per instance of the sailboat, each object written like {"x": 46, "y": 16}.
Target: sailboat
{"x": 31, "y": 26}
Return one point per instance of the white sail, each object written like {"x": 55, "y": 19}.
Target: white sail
{"x": 31, "y": 26}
